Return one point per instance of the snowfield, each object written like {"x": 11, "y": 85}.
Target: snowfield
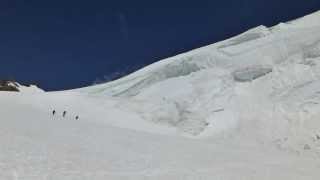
{"x": 244, "y": 108}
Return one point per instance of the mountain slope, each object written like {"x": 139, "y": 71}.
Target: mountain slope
{"x": 218, "y": 88}
{"x": 244, "y": 108}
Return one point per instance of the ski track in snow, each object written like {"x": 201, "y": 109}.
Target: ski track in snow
{"x": 245, "y": 108}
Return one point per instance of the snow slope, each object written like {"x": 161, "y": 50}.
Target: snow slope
{"x": 243, "y": 108}
{"x": 30, "y": 89}
{"x": 37, "y": 146}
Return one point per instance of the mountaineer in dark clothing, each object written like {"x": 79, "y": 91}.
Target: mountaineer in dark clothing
{"x": 64, "y": 113}
{"x": 53, "y": 112}
{"x": 77, "y": 117}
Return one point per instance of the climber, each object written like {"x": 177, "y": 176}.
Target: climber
{"x": 64, "y": 113}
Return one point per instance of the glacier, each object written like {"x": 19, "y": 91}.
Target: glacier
{"x": 243, "y": 108}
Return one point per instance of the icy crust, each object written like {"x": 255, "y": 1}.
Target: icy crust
{"x": 251, "y": 73}
{"x": 167, "y": 72}
{"x": 313, "y": 51}
{"x": 248, "y": 36}
{"x": 209, "y": 93}
{"x": 167, "y": 69}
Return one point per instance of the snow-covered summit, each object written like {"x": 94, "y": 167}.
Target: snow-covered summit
{"x": 8, "y": 85}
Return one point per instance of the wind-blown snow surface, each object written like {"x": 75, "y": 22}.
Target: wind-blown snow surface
{"x": 245, "y": 108}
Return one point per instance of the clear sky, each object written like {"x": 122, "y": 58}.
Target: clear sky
{"x": 63, "y": 44}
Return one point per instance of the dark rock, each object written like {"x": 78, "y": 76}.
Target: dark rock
{"x": 6, "y": 85}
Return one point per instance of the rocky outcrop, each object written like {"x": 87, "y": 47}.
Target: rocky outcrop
{"x": 6, "y": 85}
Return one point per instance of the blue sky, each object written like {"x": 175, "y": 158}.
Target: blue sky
{"x": 65, "y": 44}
